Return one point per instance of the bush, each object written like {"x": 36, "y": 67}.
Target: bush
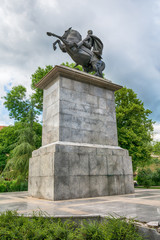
{"x": 156, "y": 177}
{"x": 39, "y": 227}
{"x": 144, "y": 177}
{"x": 13, "y": 185}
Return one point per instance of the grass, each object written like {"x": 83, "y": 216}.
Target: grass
{"x": 38, "y": 227}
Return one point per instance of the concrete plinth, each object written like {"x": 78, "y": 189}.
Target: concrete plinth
{"x": 79, "y": 156}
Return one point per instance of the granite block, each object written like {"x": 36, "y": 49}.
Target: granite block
{"x": 113, "y": 185}
{"x": 78, "y": 164}
{"x": 98, "y": 186}
{"x": 80, "y": 87}
{"x": 97, "y": 165}
{"x": 46, "y": 188}
{"x": 129, "y": 186}
{"x": 127, "y": 165}
{"x": 115, "y": 165}
{"x": 61, "y": 188}
{"x": 61, "y": 164}
{"x": 67, "y": 83}
{"x": 84, "y": 186}
{"x": 46, "y": 165}
{"x": 33, "y": 186}
{"x": 34, "y": 167}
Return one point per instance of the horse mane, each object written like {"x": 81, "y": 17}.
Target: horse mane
{"x": 72, "y": 35}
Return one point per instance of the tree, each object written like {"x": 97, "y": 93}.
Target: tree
{"x": 134, "y": 126}
{"x": 156, "y": 148}
{"x": 7, "y": 139}
{"x": 28, "y": 136}
{"x": 37, "y": 96}
{"x": 28, "y": 139}
{"x": 16, "y": 103}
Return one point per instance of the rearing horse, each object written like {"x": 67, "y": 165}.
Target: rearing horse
{"x": 80, "y": 54}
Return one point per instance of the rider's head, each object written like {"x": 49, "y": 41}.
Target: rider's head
{"x": 90, "y": 32}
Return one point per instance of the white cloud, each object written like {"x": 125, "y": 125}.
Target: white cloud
{"x": 156, "y": 134}
{"x": 130, "y": 31}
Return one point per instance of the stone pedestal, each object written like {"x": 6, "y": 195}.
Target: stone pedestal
{"x": 79, "y": 156}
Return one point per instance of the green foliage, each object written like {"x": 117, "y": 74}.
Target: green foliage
{"x": 134, "y": 126}
{"x": 8, "y": 136}
{"x": 156, "y": 148}
{"x": 13, "y": 185}
{"x": 79, "y": 67}
{"x": 144, "y": 177}
{"x": 72, "y": 65}
{"x": 119, "y": 229}
{"x": 37, "y": 96}
{"x": 27, "y": 136}
{"x": 38, "y": 227}
{"x": 90, "y": 230}
{"x": 156, "y": 177}
{"x": 28, "y": 139}
{"x": 18, "y": 140}
{"x": 16, "y": 103}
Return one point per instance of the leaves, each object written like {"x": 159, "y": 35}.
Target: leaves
{"x": 28, "y": 139}
{"x": 40, "y": 227}
{"x": 37, "y": 96}
{"x": 16, "y": 103}
{"x": 134, "y": 126}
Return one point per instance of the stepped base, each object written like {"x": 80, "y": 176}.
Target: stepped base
{"x": 64, "y": 170}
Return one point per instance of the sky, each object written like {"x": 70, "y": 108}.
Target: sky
{"x": 129, "y": 30}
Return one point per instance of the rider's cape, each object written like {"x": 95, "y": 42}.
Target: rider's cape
{"x": 97, "y": 45}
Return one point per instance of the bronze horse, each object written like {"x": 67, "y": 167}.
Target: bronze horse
{"x": 71, "y": 42}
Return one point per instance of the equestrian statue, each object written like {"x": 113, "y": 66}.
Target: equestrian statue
{"x": 86, "y": 52}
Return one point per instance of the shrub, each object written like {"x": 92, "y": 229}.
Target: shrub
{"x": 119, "y": 229}
{"x": 156, "y": 177}
{"x": 13, "y": 185}
{"x": 39, "y": 227}
{"x": 144, "y": 177}
{"x": 3, "y": 187}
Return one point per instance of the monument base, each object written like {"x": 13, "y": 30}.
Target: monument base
{"x": 67, "y": 170}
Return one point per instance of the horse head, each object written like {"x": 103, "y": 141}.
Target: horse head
{"x": 72, "y": 36}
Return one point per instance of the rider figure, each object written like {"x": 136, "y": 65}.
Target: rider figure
{"x": 93, "y": 43}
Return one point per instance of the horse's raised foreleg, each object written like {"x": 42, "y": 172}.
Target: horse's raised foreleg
{"x": 54, "y": 44}
{"x": 61, "y": 46}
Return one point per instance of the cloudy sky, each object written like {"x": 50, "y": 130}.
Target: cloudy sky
{"x": 129, "y": 29}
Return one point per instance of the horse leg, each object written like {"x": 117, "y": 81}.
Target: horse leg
{"x": 99, "y": 67}
{"x": 54, "y": 44}
{"x": 61, "y": 46}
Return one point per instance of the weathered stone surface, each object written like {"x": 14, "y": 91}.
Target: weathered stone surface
{"x": 78, "y": 112}
{"x": 129, "y": 187}
{"x": 41, "y": 187}
{"x": 79, "y": 170}
{"x": 79, "y": 156}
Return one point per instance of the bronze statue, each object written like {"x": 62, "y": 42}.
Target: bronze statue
{"x": 85, "y": 52}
